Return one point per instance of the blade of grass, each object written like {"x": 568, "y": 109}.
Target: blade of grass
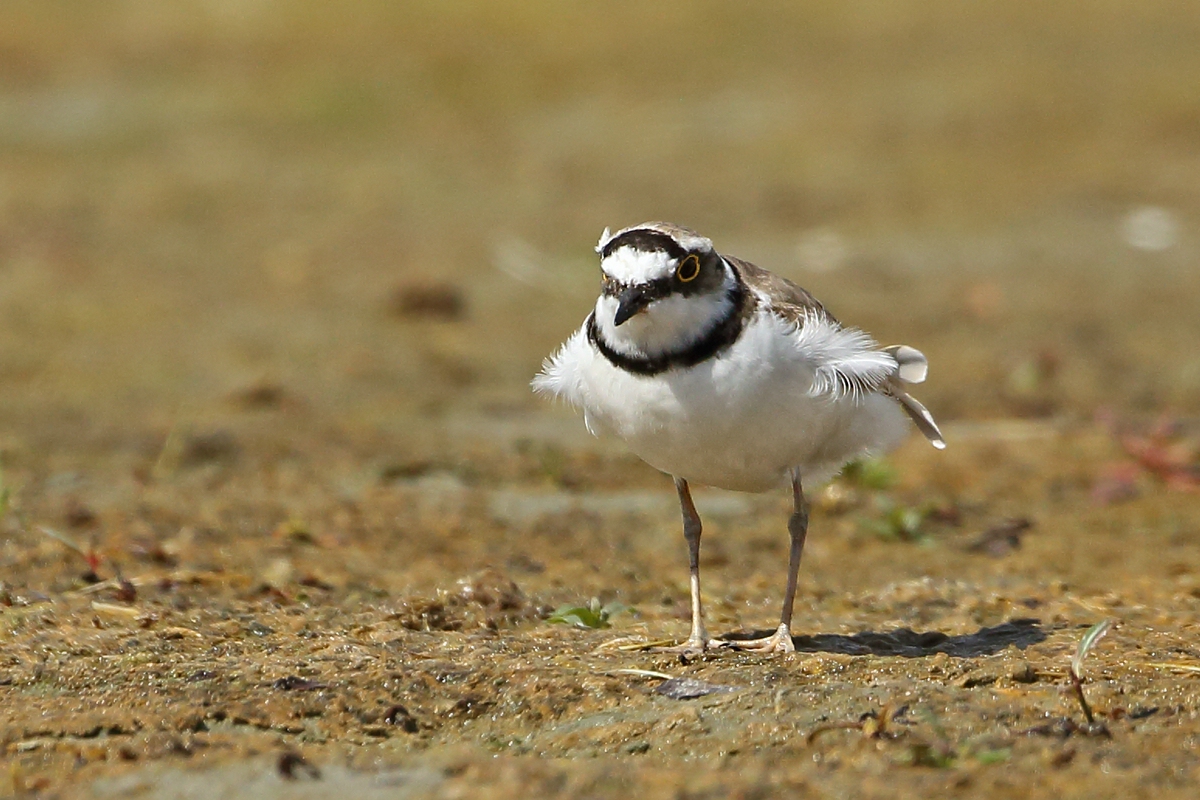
{"x": 63, "y": 539}
{"x": 641, "y": 673}
{"x": 1175, "y": 667}
{"x": 1089, "y": 640}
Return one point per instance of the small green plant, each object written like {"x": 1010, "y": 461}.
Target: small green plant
{"x": 592, "y": 616}
{"x": 942, "y": 753}
{"x": 928, "y": 754}
{"x": 891, "y": 521}
{"x": 870, "y": 473}
{"x": 939, "y": 753}
{"x": 994, "y": 756}
{"x": 899, "y": 523}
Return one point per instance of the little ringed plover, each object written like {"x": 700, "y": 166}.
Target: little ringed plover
{"x": 721, "y": 373}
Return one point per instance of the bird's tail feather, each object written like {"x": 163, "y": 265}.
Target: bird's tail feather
{"x": 913, "y": 364}
{"x": 912, "y": 368}
{"x": 921, "y": 416}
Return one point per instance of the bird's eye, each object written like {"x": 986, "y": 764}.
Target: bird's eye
{"x": 688, "y": 269}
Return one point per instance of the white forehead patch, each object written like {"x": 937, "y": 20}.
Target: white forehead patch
{"x": 628, "y": 265}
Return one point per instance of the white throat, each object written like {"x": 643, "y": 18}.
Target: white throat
{"x": 668, "y": 325}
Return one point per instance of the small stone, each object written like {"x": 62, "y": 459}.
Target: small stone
{"x": 1023, "y": 672}
{"x": 977, "y": 678}
{"x": 278, "y": 573}
{"x": 400, "y": 717}
{"x": 690, "y": 688}
{"x": 258, "y": 629}
{"x": 213, "y": 446}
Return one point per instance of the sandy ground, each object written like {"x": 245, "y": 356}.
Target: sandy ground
{"x": 281, "y": 517}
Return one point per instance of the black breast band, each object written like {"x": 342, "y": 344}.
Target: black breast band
{"x": 723, "y": 334}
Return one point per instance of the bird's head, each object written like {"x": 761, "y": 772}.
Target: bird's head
{"x": 662, "y": 287}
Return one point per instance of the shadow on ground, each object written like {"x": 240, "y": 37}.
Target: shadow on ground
{"x": 912, "y": 644}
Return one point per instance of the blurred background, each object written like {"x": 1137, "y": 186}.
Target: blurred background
{"x": 378, "y": 217}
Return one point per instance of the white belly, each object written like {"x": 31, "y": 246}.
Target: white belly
{"x": 742, "y": 420}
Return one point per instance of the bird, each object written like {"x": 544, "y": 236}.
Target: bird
{"x": 720, "y": 373}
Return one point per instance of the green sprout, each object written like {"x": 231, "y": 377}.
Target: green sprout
{"x": 592, "y": 616}
{"x": 940, "y": 753}
{"x": 1089, "y": 640}
{"x": 900, "y": 523}
{"x": 870, "y": 473}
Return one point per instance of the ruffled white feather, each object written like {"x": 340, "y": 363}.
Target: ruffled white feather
{"x": 847, "y": 363}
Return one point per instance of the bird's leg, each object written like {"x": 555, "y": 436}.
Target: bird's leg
{"x": 781, "y": 640}
{"x": 698, "y": 639}
{"x": 798, "y": 532}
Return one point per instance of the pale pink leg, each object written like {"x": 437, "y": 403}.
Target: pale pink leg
{"x": 781, "y": 640}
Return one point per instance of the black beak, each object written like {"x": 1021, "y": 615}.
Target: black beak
{"x": 631, "y": 301}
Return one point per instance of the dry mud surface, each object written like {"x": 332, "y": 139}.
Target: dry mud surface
{"x": 282, "y": 519}
{"x": 245, "y": 633}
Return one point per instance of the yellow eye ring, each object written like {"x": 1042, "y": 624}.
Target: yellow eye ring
{"x": 689, "y": 269}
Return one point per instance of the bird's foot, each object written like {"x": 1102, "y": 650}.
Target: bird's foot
{"x": 778, "y": 642}
{"x": 694, "y": 646}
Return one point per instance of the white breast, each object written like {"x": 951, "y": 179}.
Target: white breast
{"x": 743, "y": 419}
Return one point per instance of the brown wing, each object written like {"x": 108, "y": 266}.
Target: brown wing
{"x": 787, "y": 299}
{"x": 790, "y": 301}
